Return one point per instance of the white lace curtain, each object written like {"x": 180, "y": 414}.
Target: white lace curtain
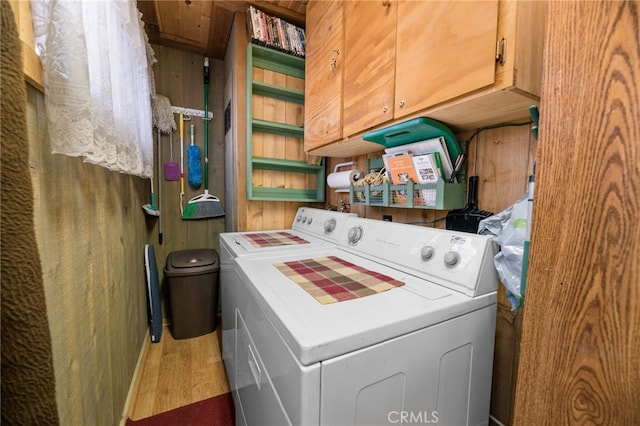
{"x": 98, "y": 81}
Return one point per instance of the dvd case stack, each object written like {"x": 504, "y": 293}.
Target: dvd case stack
{"x": 274, "y": 32}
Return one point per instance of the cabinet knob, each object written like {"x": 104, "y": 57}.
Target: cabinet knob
{"x": 385, "y": 108}
{"x": 401, "y": 103}
{"x": 386, "y": 3}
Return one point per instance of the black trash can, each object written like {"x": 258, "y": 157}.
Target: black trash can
{"x": 192, "y": 279}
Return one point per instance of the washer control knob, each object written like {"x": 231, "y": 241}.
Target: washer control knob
{"x": 298, "y": 218}
{"x": 329, "y": 225}
{"x": 427, "y": 252}
{"x": 355, "y": 234}
{"x": 304, "y": 219}
{"x": 309, "y": 220}
{"x": 451, "y": 258}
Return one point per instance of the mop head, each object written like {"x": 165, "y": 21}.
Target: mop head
{"x": 195, "y": 168}
{"x": 150, "y": 210}
{"x": 162, "y": 114}
{"x": 203, "y": 206}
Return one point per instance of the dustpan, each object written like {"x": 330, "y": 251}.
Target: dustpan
{"x": 171, "y": 169}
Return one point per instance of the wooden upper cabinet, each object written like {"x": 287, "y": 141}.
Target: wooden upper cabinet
{"x": 444, "y": 49}
{"x": 370, "y": 64}
{"x": 323, "y": 73}
{"x": 467, "y": 64}
{"x": 404, "y": 56}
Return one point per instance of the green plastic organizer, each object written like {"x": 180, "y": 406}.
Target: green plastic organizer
{"x": 448, "y": 196}
{"x": 415, "y": 130}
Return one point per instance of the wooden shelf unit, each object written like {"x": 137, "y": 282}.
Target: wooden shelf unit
{"x": 290, "y": 65}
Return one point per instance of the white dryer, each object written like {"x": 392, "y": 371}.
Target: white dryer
{"x": 311, "y": 229}
{"x": 419, "y": 352}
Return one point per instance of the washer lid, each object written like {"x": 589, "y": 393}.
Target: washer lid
{"x": 194, "y": 258}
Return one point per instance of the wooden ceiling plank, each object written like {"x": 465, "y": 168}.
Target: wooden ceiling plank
{"x": 150, "y": 19}
{"x": 191, "y": 20}
{"x": 176, "y": 42}
{"x": 206, "y": 18}
{"x": 204, "y": 26}
{"x": 168, "y": 17}
{"x": 219, "y": 32}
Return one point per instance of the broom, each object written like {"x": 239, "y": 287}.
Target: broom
{"x": 204, "y": 206}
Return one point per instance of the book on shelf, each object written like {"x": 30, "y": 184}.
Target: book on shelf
{"x": 274, "y": 32}
{"x": 401, "y": 170}
{"x": 429, "y": 170}
{"x": 428, "y": 167}
{"x": 435, "y": 145}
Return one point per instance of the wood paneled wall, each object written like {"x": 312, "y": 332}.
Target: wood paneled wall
{"x": 179, "y": 77}
{"x": 91, "y": 232}
{"x": 580, "y": 362}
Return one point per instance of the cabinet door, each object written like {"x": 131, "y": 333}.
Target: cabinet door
{"x": 444, "y": 49}
{"x": 323, "y": 73}
{"x": 369, "y": 73}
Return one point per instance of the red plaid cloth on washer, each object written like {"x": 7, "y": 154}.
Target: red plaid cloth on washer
{"x": 269, "y": 239}
{"x": 331, "y": 279}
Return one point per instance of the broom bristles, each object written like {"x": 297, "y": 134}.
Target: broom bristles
{"x": 202, "y": 207}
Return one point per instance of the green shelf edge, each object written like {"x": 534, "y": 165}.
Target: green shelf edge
{"x": 274, "y": 60}
{"x": 275, "y": 128}
{"x": 278, "y": 92}
{"x": 284, "y": 165}
{"x": 260, "y": 193}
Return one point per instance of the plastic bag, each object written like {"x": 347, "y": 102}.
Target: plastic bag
{"x": 510, "y": 229}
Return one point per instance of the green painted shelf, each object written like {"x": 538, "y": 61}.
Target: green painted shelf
{"x": 280, "y": 62}
{"x": 276, "y": 128}
{"x": 274, "y": 60}
{"x": 284, "y": 165}
{"x": 278, "y": 92}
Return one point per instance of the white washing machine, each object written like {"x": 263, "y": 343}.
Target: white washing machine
{"x": 311, "y": 229}
{"x": 420, "y": 353}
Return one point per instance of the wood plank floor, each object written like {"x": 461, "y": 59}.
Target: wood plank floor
{"x": 175, "y": 373}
